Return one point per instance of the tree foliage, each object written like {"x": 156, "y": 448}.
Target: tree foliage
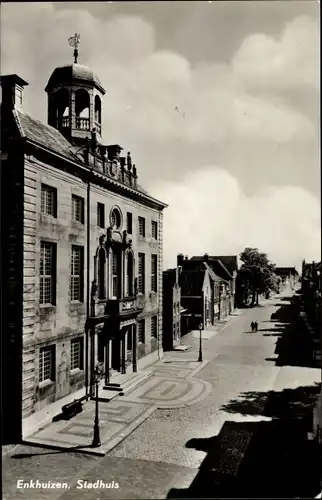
{"x": 257, "y": 274}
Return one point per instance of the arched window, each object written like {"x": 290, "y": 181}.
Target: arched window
{"x": 130, "y": 275}
{"x": 62, "y": 108}
{"x": 98, "y": 110}
{"x": 101, "y": 274}
{"x": 82, "y": 109}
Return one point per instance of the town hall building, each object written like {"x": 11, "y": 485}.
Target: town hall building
{"x": 81, "y": 249}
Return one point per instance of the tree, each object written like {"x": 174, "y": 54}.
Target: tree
{"x": 256, "y": 275}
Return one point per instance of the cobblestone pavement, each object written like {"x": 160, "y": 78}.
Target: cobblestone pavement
{"x": 156, "y": 456}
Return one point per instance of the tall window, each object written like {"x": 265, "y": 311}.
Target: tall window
{"x": 47, "y": 273}
{"x": 154, "y": 229}
{"x": 141, "y": 226}
{"x": 141, "y": 331}
{"x": 77, "y": 274}
{"x": 76, "y": 354}
{"x": 129, "y": 222}
{"x": 154, "y": 273}
{"x": 101, "y": 215}
{"x": 48, "y": 204}
{"x": 101, "y": 273}
{"x": 47, "y": 364}
{"x": 129, "y": 274}
{"x": 116, "y": 274}
{"x": 78, "y": 209}
{"x": 141, "y": 273}
{"x": 154, "y": 327}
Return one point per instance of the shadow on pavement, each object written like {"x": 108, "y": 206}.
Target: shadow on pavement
{"x": 294, "y": 346}
{"x": 265, "y": 459}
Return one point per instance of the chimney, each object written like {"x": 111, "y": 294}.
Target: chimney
{"x": 180, "y": 259}
{"x": 12, "y": 92}
{"x": 178, "y": 272}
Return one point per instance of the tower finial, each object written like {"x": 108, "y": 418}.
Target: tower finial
{"x": 74, "y": 42}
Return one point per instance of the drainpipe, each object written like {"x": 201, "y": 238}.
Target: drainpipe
{"x": 88, "y": 288}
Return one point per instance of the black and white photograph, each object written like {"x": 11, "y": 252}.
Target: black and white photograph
{"x": 161, "y": 329}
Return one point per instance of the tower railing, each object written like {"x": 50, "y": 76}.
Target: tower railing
{"x": 82, "y": 123}
{"x": 63, "y": 122}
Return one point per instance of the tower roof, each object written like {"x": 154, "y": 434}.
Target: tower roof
{"x": 70, "y": 73}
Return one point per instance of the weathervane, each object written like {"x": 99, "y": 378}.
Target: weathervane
{"x": 74, "y": 42}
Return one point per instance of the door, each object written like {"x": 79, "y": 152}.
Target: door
{"x": 116, "y": 354}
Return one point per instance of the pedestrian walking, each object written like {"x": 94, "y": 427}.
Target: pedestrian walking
{"x": 255, "y": 326}
{"x": 252, "y": 325}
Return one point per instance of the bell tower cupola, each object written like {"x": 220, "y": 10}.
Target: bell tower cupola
{"x": 75, "y": 99}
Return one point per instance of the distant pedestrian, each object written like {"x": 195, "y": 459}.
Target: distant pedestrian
{"x": 255, "y": 326}
{"x": 252, "y": 325}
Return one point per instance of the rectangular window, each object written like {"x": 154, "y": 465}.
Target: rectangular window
{"x": 141, "y": 226}
{"x": 154, "y": 326}
{"x": 154, "y": 227}
{"x": 77, "y": 274}
{"x": 47, "y": 273}
{"x": 78, "y": 209}
{"x": 154, "y": 273}
{"x": 116, "y": 274}
{"x": 101, "y": 215}
{"x": 141, "y": 273}
{"x": 48, "y": 203}
{"x": 129, "y": 223}
{"x": 47, "y": 364}
{"x": 141, "y": 331}
{"x": 76, "y": 354}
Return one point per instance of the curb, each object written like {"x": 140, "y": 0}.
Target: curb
{"x": 104, "y": 449}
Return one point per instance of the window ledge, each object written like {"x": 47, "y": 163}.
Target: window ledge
{"x": 76, "y": 371}
{"x": 47, "y": 306}
{"x": 45, "y": 383}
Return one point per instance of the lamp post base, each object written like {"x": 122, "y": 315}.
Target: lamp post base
{"x": 200, "y": 357}
{"x": 96, "y": 440}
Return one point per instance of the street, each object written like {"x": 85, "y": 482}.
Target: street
{"x": 255, "y": 380}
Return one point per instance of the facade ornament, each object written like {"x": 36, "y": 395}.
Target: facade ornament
{"x": 129, "y": 161}
{"x": 102, "y": 240}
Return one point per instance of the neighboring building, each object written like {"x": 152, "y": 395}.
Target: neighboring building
{"x": 288, "y": 275}
{"x": 81, "y": 249}
{"x": 172, "y": 310}
{"x": 225, "y": 267}
{"x": 204, "y": 294}
{"x": 311, "y": 288}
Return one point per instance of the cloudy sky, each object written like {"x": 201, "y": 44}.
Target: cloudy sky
{"x": 218, "y": 103}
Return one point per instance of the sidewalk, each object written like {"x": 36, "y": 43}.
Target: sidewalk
{"x": 169, "y": 383}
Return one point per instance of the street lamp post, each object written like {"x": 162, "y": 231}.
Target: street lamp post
{"x": 96, "y": 438}
{"x": 200, "y": 342}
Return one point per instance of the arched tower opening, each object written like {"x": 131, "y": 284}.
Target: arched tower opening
{"x": 82, "y": 105}
{"x": 62, "y": 109}
{"x": 98, "y": 114}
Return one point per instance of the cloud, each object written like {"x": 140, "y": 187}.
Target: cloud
{"x": 244, "y": 116}
{"x": 288, "y": 62}
{"x": 209, "y": 213}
